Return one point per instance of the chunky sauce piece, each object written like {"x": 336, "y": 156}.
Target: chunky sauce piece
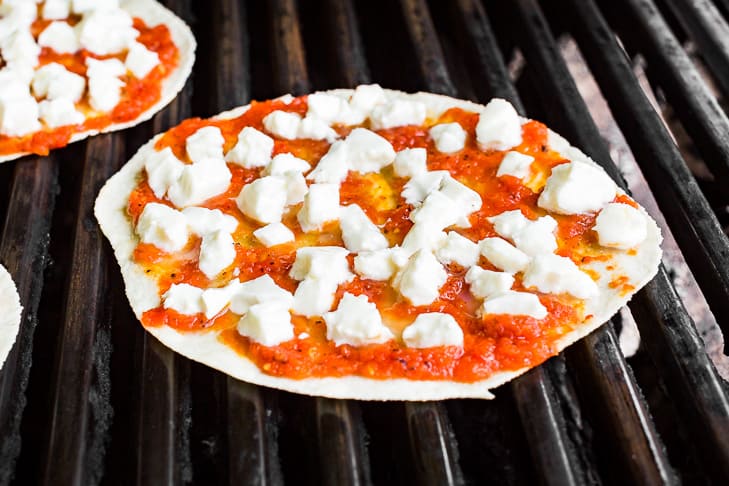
{"x": 492, "y": 344}
{"x": 137, "y": 95}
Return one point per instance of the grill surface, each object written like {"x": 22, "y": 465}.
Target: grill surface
{"x": 87, "y": 397}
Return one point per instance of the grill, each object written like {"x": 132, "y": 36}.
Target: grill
{"x": 87, "y": 397}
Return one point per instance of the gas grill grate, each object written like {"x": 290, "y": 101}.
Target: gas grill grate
{"x": 87, "y": 397}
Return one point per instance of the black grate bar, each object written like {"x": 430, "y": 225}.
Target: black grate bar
{"x": 695, "y": 225}
{"x": 289, "y": 58}
{"x": 671, "y": 68}
{"x": 80, "y": 408}
{"x": 561, "y": 95}
{"x": 352, "y": 68}
{"x": 343, "y": 454}
{"x": 24, "y": 252}
{"x": 710, "y": 31}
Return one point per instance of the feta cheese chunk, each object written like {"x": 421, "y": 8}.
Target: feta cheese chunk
{"x": 316, "y": 129}
{"x": 296, "y": 188}
{"x": 85, "y": 6}
{"x": 257, "y": 291}
{"x": 253, "y": 149}
{"x": 106, "y": 31}
{"x": 333, "y": 109}
{"x": 53, "y": 81}
{"x": 274, "y": 234}
{"x": 111, "y": 67}
{"x": 421, "y": 278}
{"x": 397, "y": 113}
{"x": 199, "y": 182}
{"x": 423, "y": 236}
{"x": 163, "y": 170}
{"x": 499, "y": 126}
{"x": 375, "y": 265}
{"x": 333, "y": 167}
{"x": 14, "y": 82}
{"x": 620, "y": 226}
{"x": 263, "y": 199}
{"x": 515, "y": 304}
{"x": 56, "y": 9}
{"x": 448, "y": 137}
{"x": 433, "y": 329}
{"x": 531, "y": 237}
{"x": 283, "y": 124}
{"x": 515, "y": 164}
{"x": 410, "y": 162}
{"x": 484, "y": 283}
{"x": 422, "y": 184}
{"x": 368, "y": 151}
{"x": 104, "y": 92}
{"x": 358, "y": 232}
{"x": 321, "y": 204}
{"x": 140, "y": 60}
{"x": 163, "y": 227}
{"x": 314, "y": 297}
{"x": 366, "y": 97}
{"x": 217, "y": 252}
{"x": 502, "y": 254}
{"x": 356, "y": 322}
{"x": 205, "y": 143}
{"x": 60, "y": 37}
{"x": 268, "y": 323}
{"x": 458, "y": 249}
{"x": 20, "y": 48}
{"x": 556, "y": 275}
{"x": 321, "y": 263}
{"x": 19, "y": 116}
{"x": 283, "y": 163}
{"x": 438, "y": 211}
{"x": 204, "y": 221}
{"x": 184, "y": 298}
{"x": 577, "y": 187}
{"x": 466, "y": 199}
{"x": 60, "y": 112}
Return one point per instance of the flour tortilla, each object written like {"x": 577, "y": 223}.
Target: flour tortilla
{"x": 10, "y": 310}
{"x": 153, "y": 14}
{"x": 206, "y": 348}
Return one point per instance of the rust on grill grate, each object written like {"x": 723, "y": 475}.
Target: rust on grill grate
{"x": 87, "y": 397}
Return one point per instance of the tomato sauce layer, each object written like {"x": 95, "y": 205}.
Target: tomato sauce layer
{"x": 137, "y": 95}
{"x": 492, "y": 343}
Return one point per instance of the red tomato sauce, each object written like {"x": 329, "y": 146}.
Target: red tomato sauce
{"x": 137, "y": 95}
{"x": 493, "y": 343}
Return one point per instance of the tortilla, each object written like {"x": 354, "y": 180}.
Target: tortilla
{"x": 10, "y": 310}
{"x": 636, "y": 268}
{"x": 153, "y": 13}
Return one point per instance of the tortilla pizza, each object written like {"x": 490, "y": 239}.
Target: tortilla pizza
{"x": 373, "y": 244}
{"x": 10, "y": 311}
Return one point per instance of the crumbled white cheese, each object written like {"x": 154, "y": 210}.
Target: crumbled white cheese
{"x": 163, "y": 170}
{"x": 359, "y": 233}
{"x": 368, "y": 151}
{"x": 314, "y": 297}
{"x": 423, "y": 236}
{"x": 577, "y": 187}
{"x": 205, "y": 143}
{"x": 515, "y": 304}
{"x": 321, "y": 204}
{"x": 458, "y": 249}
{"x": 498, "y": 127}
{"x": 85, "y": 6}
{"x": 274, "y": 234}
{"x": 163, "y": 227}
{"x": 554, "y": 274}
{"x": 438, "y": 211}
{"x": 268, "y": 323}
{"x": 532, "y": 237}
{"x": 215, "y": 299}
{"x": 296, "y": 187}
{"x": 204, "y": 221}
{"x": 421, "y": 278}
{"x": 140, "y": 60}
{"x": 106, "y": 31}
{"x": 253, "y": 149}
{"x": 60, "y": 112}
{"x": 375, "y": 265}
{"x": 282, "y": 124}
{"x": 199, "y": 182}
{"x": 321, "y": 263}
{"x": 333, "y": 109}
{"x": 502, "y": 254}
{"x": 431, "y": 330}
{"x": 263, "y": 199}
{"x": 397, "y": 113}
{"x": 620, "y": 226}
{"x": 421, "y": 184}
{"x": 54, "y": 81}
{"x": 60, "y": 37}
{"x": 316, "y": 129}
{"x": 484, "y": 283}
{"x": 466, "y": 199}
{"x": 333, "y": 166}
{"x": 283, "y": 163}
{"x": 56, "y": 9}
{"x": 410, "y": 162}
{"x": 356, "y": 322}
{"x": 104, "y": 84}
{"x": 217, "y": 252}
{"x": 15, "y": 82}
{"x": 515, "y": 164}
{"x": 448, "y": 137}
{"x": 183, "y": 298}
{"x": 20, "y": 48}
{"x": 257, "y": 291}
{"x": 19, "y": 116}
{"x": 366, "y": 97}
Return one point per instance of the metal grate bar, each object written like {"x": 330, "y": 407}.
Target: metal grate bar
{"x": 710, "y": 31}
{"x": 562, "y": 97}
{"x": 288, "y": 48}
{"x": 24, "y": 252}
{"x": 700, "y": 113}
{"x": 348, "y": 49}
{"x": 80, "y": 409}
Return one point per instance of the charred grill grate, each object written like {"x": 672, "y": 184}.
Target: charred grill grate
{"x": 87, "y": 397}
